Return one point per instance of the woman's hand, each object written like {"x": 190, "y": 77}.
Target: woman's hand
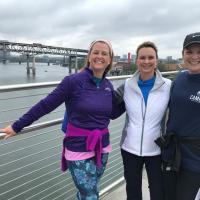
{"x": 8, "y": 131}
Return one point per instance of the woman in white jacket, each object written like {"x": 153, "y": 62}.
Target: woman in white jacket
{"x": 146, "y": 96}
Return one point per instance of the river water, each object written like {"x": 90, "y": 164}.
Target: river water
{"x": 14, "y": 73}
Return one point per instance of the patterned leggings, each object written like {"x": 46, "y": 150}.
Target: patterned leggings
{"x": 86, "y": 176}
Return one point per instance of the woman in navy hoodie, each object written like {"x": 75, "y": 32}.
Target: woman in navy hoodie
{"x": 181, "y": 152}
{"x": 88, "y": 96}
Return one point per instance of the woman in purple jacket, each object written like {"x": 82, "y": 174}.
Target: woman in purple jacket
{"x": 89, "y": 99}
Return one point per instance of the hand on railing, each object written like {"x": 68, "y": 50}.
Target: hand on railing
{"x": 7, "y": 132}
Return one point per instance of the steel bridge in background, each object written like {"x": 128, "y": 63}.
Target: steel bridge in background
{"x": 31, "y": 50}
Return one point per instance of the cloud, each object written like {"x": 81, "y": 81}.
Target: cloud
{"x": 126, "y": 23}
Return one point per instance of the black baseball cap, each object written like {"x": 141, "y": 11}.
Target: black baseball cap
{"x": 192, "y": 38}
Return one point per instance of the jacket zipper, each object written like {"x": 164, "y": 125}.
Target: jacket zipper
{"x": 143, "y": 121}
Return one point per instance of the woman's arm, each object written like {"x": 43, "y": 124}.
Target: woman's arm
{"x": 118, "y": 102}
{"x": 60, "y": 94}
{"x": 119, "y": 94}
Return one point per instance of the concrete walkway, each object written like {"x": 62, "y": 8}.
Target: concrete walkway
{"x": 120, "y": 192}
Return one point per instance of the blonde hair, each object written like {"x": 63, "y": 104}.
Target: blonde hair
{"x": 108, "y": 68}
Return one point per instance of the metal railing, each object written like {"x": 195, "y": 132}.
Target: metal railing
{"x": 29, "y": 167}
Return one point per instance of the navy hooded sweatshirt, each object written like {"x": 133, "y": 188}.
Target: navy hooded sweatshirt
{"x": 184, "y": 116}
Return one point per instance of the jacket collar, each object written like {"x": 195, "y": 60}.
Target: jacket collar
{"x": 132, "y": 82}
{"x": 90, "y": 73}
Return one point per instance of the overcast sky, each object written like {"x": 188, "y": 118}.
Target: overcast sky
{"x": 76, "y": 23}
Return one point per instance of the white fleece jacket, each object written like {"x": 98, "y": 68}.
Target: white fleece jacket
{"x": 143, "y": 122}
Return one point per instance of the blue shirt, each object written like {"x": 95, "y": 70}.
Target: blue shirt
{"x": 97, "y": 81}
{"x": 145, "y": 87}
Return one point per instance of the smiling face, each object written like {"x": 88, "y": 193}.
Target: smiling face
{"x": 191, "y": 57}
{"x": 99, "y": 58}
{"x": 146, "y": 62}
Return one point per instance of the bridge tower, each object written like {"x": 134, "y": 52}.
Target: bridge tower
{"x": 76, "y": 63}
{"x": 70, "y": 64}
{"x": 28, "y": 67}
{"x": 71, "y": 61}
{"x": 4, "y": 56}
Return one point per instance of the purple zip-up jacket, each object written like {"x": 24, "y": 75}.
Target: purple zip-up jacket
{"x": 89, "y": 107}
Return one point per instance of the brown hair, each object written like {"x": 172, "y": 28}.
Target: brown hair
{"x": 147, "y": 44}
{"x": 108, "y": 68}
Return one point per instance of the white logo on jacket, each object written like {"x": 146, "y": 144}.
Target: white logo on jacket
{"x": 107, "y": 89}
{"x": 195, "y": 98}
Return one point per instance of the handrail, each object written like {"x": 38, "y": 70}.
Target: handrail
{"x": 27, "y": 86}
{"x": 2, "y": 135}
{"x": 36, "y": 127}
{"x": 16, "y": 87}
